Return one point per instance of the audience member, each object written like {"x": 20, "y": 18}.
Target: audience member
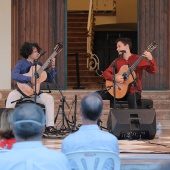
{"x": 28, "y": 152}
{"x": 90, "y": 136}
{"x": 6, "y": 134}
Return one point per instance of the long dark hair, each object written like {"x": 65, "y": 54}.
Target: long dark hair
{"x": 6, "y": 124}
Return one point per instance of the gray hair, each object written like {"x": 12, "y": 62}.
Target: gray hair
{"x": 91, "y": 106}
{"x": 28, "y": 121}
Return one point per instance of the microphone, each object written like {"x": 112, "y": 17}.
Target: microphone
{"x": 42, "y": 53}
{"x": 121, "y": 53}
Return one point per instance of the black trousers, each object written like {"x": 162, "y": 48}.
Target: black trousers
{"x": 128, "y": 97}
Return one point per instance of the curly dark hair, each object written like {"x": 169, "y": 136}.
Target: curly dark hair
{"x": 27, "y": 49}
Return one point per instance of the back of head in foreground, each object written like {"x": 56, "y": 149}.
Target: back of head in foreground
{"x": 29, "y": 152}
{"x": 89, "y": 137}
{"x": 91, "y": 108}
{"x": 28, "y": 122}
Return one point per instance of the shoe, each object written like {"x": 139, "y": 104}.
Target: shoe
{"x": 51, "y": 130}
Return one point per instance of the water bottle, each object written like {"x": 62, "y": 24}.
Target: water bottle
{"x": 159, "y": 130}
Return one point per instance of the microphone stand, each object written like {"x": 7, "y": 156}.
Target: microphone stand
{"x": 61, "y": 106}
{"x": 75, "y": 119}
{"x": 36, "y": 75}
{"x": 135, "y": 86}
{"x": 114, "y": 82}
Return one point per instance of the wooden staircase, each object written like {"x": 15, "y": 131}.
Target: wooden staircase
{"x": 77, "y": 43}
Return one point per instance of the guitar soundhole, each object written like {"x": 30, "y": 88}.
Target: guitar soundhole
{"x": 125, "y": 76}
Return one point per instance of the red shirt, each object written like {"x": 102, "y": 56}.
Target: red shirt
{"x": 149, "y": 66}
{"x": 7, "y": 143}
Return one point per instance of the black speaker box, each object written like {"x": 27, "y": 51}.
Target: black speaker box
{"x": 132, "y": 123}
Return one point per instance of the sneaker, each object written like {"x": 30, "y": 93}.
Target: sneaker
{"x": 50, "y": 129}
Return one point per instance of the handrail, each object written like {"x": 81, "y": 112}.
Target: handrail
{"x": 90, "y": 15}
{"x": 92, "y": 59}
{"x": 89, "y": 27}
{"x": 77, "y": 71}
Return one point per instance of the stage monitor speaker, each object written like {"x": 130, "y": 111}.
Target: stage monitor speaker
{"x": 132, "y": 123}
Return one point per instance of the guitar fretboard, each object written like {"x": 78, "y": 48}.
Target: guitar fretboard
{"x": 150, "y": 48}
{"x": 44, "y": 66}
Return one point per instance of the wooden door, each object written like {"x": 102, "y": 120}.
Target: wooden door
{"x": 153, "y": 18}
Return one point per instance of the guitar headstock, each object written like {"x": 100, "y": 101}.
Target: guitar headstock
{"x": 152, "y": 47}
{"x": 58, "y": 47}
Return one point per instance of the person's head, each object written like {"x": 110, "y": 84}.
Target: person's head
{"x": 91, "y": 108}
{"x": 28, "y": 122}
{"x": 6, "y": 124}
{"x": 123, "y": 44}
{"x": 29, "y": 49}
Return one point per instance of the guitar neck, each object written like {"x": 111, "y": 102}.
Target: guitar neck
{"x": 131, "y": 68}
{"x": 44, "y": 66}
{"x": 150, "y": 48}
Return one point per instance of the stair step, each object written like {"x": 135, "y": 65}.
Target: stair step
{"x": 72, "y": 59}
{"x": 83, "y": 78}
{"x": 77, "y": 50}
{"x": 81, "y": 73}
{"x": 161, "y": 101}
{"x": 163, "y": 95}
{"x": 77, "y": 34}
{"x": 77, "y": 24}
{"x": 77, "y": 29}
{"x": 77, "y": 15}
{"x": 73, "y": 67}
{"x": 86, "y": 85}
{"x": 79, "y": 44}
{"x": 77, "y": 39}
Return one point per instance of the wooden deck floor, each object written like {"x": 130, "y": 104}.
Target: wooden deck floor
{"x": 136, "y": 154}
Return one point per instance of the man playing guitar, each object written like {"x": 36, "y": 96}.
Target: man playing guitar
{"x": 127, "y": 70}
{"x": 31, "y": 52}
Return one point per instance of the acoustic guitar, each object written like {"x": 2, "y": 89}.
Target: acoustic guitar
{"x": 28, "y": 88}
{"x": 126, "y": 72}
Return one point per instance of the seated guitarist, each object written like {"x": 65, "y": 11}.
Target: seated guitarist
{"x": 31, "y": 52}
{"x": 126, "y": 60}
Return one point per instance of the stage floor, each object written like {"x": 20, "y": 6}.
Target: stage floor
{"x": 136, "y": 154}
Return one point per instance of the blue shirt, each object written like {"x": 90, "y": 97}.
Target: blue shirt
{"x": 22, "y": 67}
{"x": 90, "y": 137}
{"x": 32, "y": 155}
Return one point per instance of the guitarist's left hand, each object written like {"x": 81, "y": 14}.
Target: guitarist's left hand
{"x": 148, "y": 55}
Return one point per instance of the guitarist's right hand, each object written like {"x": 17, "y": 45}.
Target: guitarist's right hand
{"x": 119, "y": 79}
{"x": 33, "y": 80}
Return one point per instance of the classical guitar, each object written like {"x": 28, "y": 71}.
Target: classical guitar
{"x": 126, "y": 72}
{"x": 28, "y": 88}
